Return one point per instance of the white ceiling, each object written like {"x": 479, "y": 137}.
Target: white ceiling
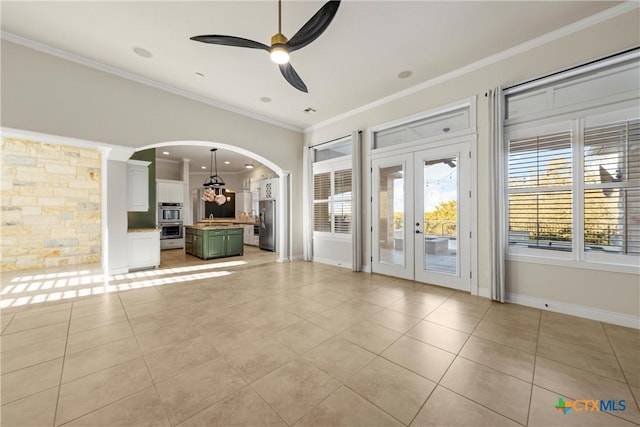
{"x": 355, "y": 62}
{"x": 200, "y": 156}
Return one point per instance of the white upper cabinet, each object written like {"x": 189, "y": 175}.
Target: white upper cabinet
{"x": 269, "y": 189}
{"x": 170, "y": 191}
{"x": 137, "y": 186}
{"x": 243, "y": 201}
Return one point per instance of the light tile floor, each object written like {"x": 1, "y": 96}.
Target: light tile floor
{"x": 245, "y": 341}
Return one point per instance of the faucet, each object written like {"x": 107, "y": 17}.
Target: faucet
{"x": 210, "y": 219}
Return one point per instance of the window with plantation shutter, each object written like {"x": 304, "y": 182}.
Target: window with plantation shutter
{"x": 612, "y": 187}
{"x": 332, "y": 201}
{"x": 321, "y": 197}
{"x": 573, "y": 166}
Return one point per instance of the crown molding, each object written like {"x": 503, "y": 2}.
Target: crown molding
{"x": 592, "y": 20}
{"x": 41, "y": 47}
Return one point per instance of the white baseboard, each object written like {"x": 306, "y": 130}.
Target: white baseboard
{"x": 114, "y": 271}
{"x": 484, "y": 292}
{"x": 332, "y": 262}
{"x": 576, "y": 310}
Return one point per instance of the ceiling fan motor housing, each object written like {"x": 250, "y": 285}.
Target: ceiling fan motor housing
{"x": 278, "y": 39}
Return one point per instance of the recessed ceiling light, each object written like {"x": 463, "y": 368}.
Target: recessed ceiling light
{"x": 265, "y": 99}
{"x": 199, "y": 74}
{"x": 248, "y": 166}
{"x": 203, "y": 167}
{"x": 404, "y": 74}
{"x": 227, "y": 162}
{"x": 140, "y": 51}
{"x": 166, "y": 153}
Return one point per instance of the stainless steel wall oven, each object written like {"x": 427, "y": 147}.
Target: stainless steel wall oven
{"x": 169, "y": 212}
{"x": 171, "y": 230}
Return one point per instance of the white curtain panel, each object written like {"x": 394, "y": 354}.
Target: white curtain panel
{"x": 307, "y": 207}
{"x": 356, "y": 201}
{"x": 496, "y": 193}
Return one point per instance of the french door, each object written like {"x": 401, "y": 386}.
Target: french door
{"x": 422, "y": 216}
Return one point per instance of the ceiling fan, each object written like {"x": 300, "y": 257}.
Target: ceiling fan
{"x": 281, "y": 47}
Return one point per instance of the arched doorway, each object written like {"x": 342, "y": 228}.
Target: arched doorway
{"x": 282, "y": 207}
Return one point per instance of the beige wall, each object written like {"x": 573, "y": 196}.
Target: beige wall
{"x": 602, "y": 290}
{"x": 51, "y": 198}
{"x": 47, "y": 94}
{"x": 606, "y": 38}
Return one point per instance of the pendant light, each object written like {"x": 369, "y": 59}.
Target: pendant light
{"x": 214, "y": 185}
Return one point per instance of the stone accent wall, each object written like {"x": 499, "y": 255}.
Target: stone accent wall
{"x": 51, "y": 198}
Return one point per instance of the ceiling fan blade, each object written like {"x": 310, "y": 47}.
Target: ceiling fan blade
{"x": 230, "y": 41}
{"x": 314, "y": 26}
{"x": 292, "y": 77}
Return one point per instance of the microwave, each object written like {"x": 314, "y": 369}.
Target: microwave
{"x": 169, "y": 212}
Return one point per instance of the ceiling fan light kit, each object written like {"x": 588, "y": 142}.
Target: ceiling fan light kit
{"x": 279, "y": 53}
{"x": 281, "y": 47}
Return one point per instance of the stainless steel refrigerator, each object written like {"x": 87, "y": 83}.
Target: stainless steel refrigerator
{"x": 267, "y": 236}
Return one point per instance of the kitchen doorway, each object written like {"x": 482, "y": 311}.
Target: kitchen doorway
{"x": 421, "y": 215}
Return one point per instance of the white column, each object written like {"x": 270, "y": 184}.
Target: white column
{"x": 187, "y": 215}
{"x": 116, "y": 221}
{"x": 114, "y": 209}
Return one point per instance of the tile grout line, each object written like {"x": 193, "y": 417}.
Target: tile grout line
{"x": 535, "y": 364}
{"x": 64, "y": 359}
{"x": 624, "y": 375}
{"x": 84, "y": 376}
{"x": 409, "y": 370}
{"x": 13, "y": 316}
{"x": 456, "y": 355}
{"x": 153, "y": 383}
{"x": 267, "y": 403}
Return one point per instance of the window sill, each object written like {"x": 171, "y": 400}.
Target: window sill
{"x": 589, "y": 265}
{"x": 331, "y": 236}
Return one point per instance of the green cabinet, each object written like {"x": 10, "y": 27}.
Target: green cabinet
{"x": 213, "y": 243}
{"x": 235, "y": 244}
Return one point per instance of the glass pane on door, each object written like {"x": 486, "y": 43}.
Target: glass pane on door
{"x": 391, "y": 217}
{"x": 440, "y": 213}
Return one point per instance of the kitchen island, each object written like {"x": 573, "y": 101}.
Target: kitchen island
{"x": 213, "y": 241}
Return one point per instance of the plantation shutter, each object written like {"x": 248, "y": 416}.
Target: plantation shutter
{"x": 540, "y": 197}
{"x": 612, "y": 187}
{"x": 321, "y": 196}
{"x": 342, "y": 201}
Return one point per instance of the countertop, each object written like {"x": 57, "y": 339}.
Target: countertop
{"x": 201, "y": 226}
{"x": 143, "y": 230}
{"x": 228, "y": 221}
